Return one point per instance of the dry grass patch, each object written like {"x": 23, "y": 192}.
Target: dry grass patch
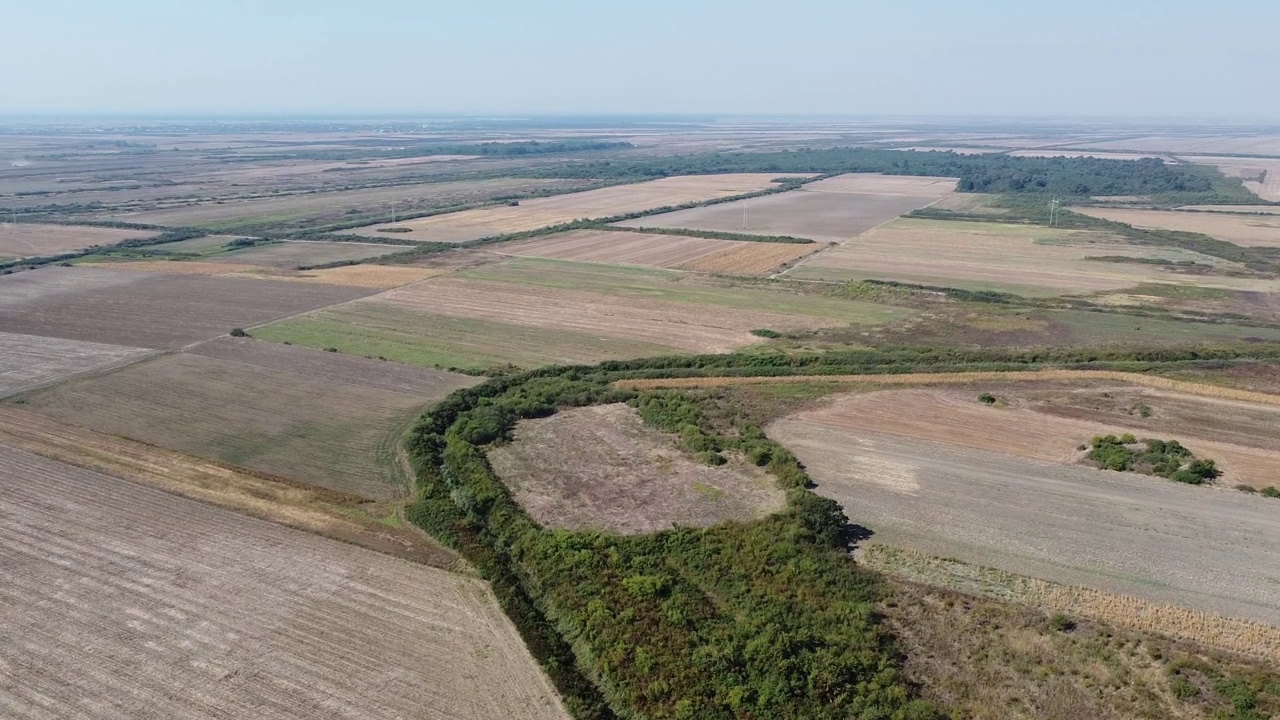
{"x": 751, "y": 258}
{"x": 32, "y": 240}
{"x": 605, "y": 202}
{"x": 292, "y": 254}
{"x": 619, "y": 248}
{"x": 602, "y": 468}
{"x": 183, "y": 267}
{"x": 375, "y": 277}
{"x": 125, "y": 601}
{"x": 1246, "y": 230}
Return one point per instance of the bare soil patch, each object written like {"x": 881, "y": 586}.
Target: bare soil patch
{"x": 147, "y": 309}
{"x": 605, "y": 202}
{"x": 602, "y": 468}
{"x": 995, "y": 487}
{"x": 751, "y": 258}
{"x": 1014, "y": 258}
{"x": 29, "y": 360}
{"x": 303, "y": 414}
{"x": 374, "y": 277}
{"x": 123, "y": 601}
{"x": 19, "y": 240}
{"x": 835, "y": 210}
{"x": 619, "y": 248}
{"x": 1246, "y": 230}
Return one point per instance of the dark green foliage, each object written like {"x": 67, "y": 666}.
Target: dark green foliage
{"x": 238, "y": 332}
{"x": 1270, "y": 491}
{"x": 1062, "y": 622}
{"x": 766, "y": 333}
{"x": 1164, "y": 458}
{"x": 987, "y": 398}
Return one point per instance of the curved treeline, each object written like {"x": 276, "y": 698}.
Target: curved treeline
{"x": 990, "y": 173}
{"x": 762, "y": 619}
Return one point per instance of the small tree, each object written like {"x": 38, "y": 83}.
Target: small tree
{"x": 238, "y": 332}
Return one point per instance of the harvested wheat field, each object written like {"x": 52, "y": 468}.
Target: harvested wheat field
{"x": 314, "y": 417}
{"x": 1238, "y": 209}
{"x": 834, "y": 210}
{"x": 939, "y": 472}
{"x": 601, "y": 468}
{"x": 1247, "y": 230}
{"x": 343, "y": 516}
{"x": 1260, "y": 175}
{"x": 1027, "y": 260}
{"x": 121, "y": 601}
{"x": 661, "y": 251}
{"x": 605, "y": 202}
{"x": 294, "y": 254}
{"x": 29, "y": 360}
{"x": 374, "y": 277}
{"x": 19, "y": 240}
{"x": 149, "y": 310}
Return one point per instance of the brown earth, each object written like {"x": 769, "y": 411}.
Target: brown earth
{"x": 374, "y": 277}
{"x": 1246, "y": 230}
{"x": 32, "y": 240}
{"x": 311, "y": 416}
{"x": 618, "y": 248}
{"x": 147, "y": 309}
{"x": 833, "y": 210}
{"x": 605, "y": 202}
{"x": 602, "y": 468}
{"x": 28, "y": 361}
{"x": 292, "y": 254}
{"x": 995, "y": 487}
{"x": 121, "y": 601}
{"x": 752, "y": 258}
{"x": 681, "y": 325}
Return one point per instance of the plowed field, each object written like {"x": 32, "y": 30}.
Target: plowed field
{"x": 29, "y": 360}
{"x": 121, "y": 602}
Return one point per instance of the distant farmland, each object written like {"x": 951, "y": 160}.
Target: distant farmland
{"x": 122, "y": 601}
{"x": 147, "y": 309}
{"x": 605, "y": 202}
{"x": 30, "y": 360}
{"x": 1246, "y": 230}
{"x": 292, "y": 254}
{"x": 315, "y": 417}
{"x": 661, "y": 251}
{"x": 835, "y": 209}
{"x": 30, "y": 240}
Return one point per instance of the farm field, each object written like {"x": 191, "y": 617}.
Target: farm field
{"x": 601, "y": 468}
{"x": 1268, "y": 188}
{"x": 1244, "y": 144}
{"x": 1205, "y": 549}
{"x": 661, "y": 251}
{"x": 604, "y": 202}
{"x": 375, "y": 277}
{"x": 1246, "y": 230}
{"x": 835, "y": 209}
{"x": 292, "y": 254}
{"x": 30, "y": 360}
{"x": 310, "y": 416}
{"x": 122, "y": 601}
{"x": 1027, "y": 260}
{"x": 300, "y": 210}
{"x": 20, "y": 240}
{"x": 149, "y": 310}
{"x": 1239, "y": 209}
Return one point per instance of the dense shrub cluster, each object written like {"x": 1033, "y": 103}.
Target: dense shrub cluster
{"x": 1164, "y": 458}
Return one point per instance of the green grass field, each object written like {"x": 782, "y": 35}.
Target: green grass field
{"x": 448, "y": 342}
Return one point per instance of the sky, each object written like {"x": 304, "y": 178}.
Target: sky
{"x": 1088, "y": 58}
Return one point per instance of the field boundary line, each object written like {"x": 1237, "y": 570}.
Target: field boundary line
{"x": 986, "y": 376}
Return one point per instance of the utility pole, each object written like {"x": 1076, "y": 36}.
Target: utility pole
{"x": 1053, "y": 212}
{"x": 393, "y": 212}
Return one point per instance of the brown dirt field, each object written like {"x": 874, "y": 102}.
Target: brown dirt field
{"x": 375, "y": 277}
{"x": 344, "y": 517}
{"x": 31, "y": 240}
{"x": 122, "y": 601}
{"x": 28, "y": 361}
{"x": 751, "y": 258}
{"x": 292, "y": 254}
{"x": 605, "y": 202}
{"x": 601, "y": 468}
{"x": 150, "y": 310}
{"x": 183, "y": 267}
{"x": 997, "y": 256}
{"x": 971, "y": 498}
{"x": 682, "y": 325}
{"x": 310, "y": 416}
{"x": 834, "y": 210}
{"x": 1246, "y": 230}
{"x": 619, "y": 248}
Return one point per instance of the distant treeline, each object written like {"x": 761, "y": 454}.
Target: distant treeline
{"x": 992, "y": 173}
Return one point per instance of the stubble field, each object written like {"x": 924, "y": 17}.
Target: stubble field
{"x": 31, "y": 240}
{"x": 834, "y": 210}
{"x": 29, "y": 360}
{"x": 979, "y": 486}
{"x": 662, "y": 251}
{"x": 601, "y": 468}
{"x": 122, "y": 601}
{"x": 605, "y": 202}
{"x": 149, "y": 310}
{"x": 1246, "y": 230}
{"x": 310, "y": 416}
{"x": 1028, "y": 260}
{"x": 289, "y": 255}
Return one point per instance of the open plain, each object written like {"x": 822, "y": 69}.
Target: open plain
{"x": 1246, "y": 230}
{"x": 543, "y": 212}
{"x": 19, "y": 240}
{"x": 662, "y": 251}
{"x": 30, "y": 360}
{"x": 122, "y": 601}
{"x": 1126, "y": 533}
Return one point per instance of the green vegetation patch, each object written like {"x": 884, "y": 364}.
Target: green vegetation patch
{"x": 1162, "y": 458}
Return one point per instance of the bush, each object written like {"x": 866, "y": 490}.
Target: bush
{"x": 766, "y": 333}
{"x": 238, "y": 332}
{"x": 1271, "y": 492}
{"x": 1062, "y": 622}
{"x": 987, "y": 398}
{"x": 1163, "y": 458}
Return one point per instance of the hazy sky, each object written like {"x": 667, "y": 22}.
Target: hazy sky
{"x": 1004, "y": 57}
